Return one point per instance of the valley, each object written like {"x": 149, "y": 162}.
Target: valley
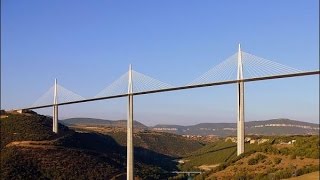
{"x": 97, "y": 150}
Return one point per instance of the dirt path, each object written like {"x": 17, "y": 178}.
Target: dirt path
{"x": 309, "y": 176}
{"x": 33, "y": 144}
{"x": 45, "y": 145}
{"x": 208, "y": 167}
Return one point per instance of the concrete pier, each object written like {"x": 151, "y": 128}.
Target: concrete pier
{"x": 55, "y": 108}
{"x": 240, "y": 106}
{"x": 130, "y": 174}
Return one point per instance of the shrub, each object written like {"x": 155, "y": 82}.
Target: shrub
{"x": 242, "y": 176}
{"x": 257, "y": 159}
{"x": 260, "y": 157}
{"x": 293, "y": 156}
{"x": 252, "y": 161}
{"x": 268, "y": 162}
{"x": 277, "y": 160}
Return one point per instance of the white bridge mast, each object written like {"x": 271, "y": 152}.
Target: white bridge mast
{"x": 130, "y": 128}
{"x": 55, "y": 108}
{"x": 240, "y": 106}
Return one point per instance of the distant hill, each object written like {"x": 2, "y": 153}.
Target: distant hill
{"x": 264, "y": 127}
{"x": 102, "y": 122}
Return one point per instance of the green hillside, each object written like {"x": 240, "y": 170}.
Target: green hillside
{"x": 161, "y": 142}
{"x": 29, "y": 150}
{"x": 171, "y": 144}
{"x": 212, "y": 154}
{"x": 280, "y": 158}
{"x": 29, "y": 163}
{"x": 17, "y": 127}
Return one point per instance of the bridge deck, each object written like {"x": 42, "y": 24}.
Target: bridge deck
{"x": 184, "y": 87}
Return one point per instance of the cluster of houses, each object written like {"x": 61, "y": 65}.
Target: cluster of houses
{"x": 288, "y": 143}
{"x": 247, "y": 139}
{"x": 207, "y": 138}
{"x": 259, "y": 140}
{"x": 165, "y": 129}
{"x": 287, "y": 125}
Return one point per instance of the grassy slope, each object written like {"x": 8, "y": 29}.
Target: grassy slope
{"x": 266, "y": 167}
{"x": 300, "y": 158}
{"x": 29, "y": 163}
{"x": 17, "y": 127}
{"x": 214, "y": 153}
{"x": 76, "y": 155}
{"x": 164, "y": 143}
{"x": 23, "y": 162}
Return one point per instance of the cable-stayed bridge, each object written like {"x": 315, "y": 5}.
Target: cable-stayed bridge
{"x": 254, "y": 68}
{"x": 239, "y": 68}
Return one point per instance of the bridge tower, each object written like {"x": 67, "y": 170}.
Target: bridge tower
{"x": 55, "y": 108}
{"x": 130, "y": 128}
{"x": 240, "y": 106}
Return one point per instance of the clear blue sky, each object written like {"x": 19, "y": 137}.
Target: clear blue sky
{"x": 88, "y": 44}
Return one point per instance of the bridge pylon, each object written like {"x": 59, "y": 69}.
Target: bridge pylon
{"x": 240, "y": 106}
{"x": 130, "y": 174}
{"x": 55, "y": 108}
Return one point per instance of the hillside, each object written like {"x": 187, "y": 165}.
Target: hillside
{"x": 161, "y": 142}
{"x": 29, "y": 150}
{"x": 101, "y": 122}
{"x": 18, "y": 127}
{"x": 264, "y": 127}
{"x": 276, "y": 157}
{"x": 212, "y": 155}
{"x": 266, "y": 166}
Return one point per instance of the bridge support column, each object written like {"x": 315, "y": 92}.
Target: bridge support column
{"x": 55, "y": 108}
{"x": 130, "y": 174}
{"x": 240, "y": 107}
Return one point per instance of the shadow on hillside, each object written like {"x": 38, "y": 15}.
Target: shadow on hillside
{"x": 105, "y": 144}
{"x": 90, "y": 141}
{"x": 216, "y": 150}
{"x": 149, "y": 157}
{"x": 228, "y": 147}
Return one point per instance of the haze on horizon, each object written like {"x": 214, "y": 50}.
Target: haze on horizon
{"x": 89, "y": 45}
